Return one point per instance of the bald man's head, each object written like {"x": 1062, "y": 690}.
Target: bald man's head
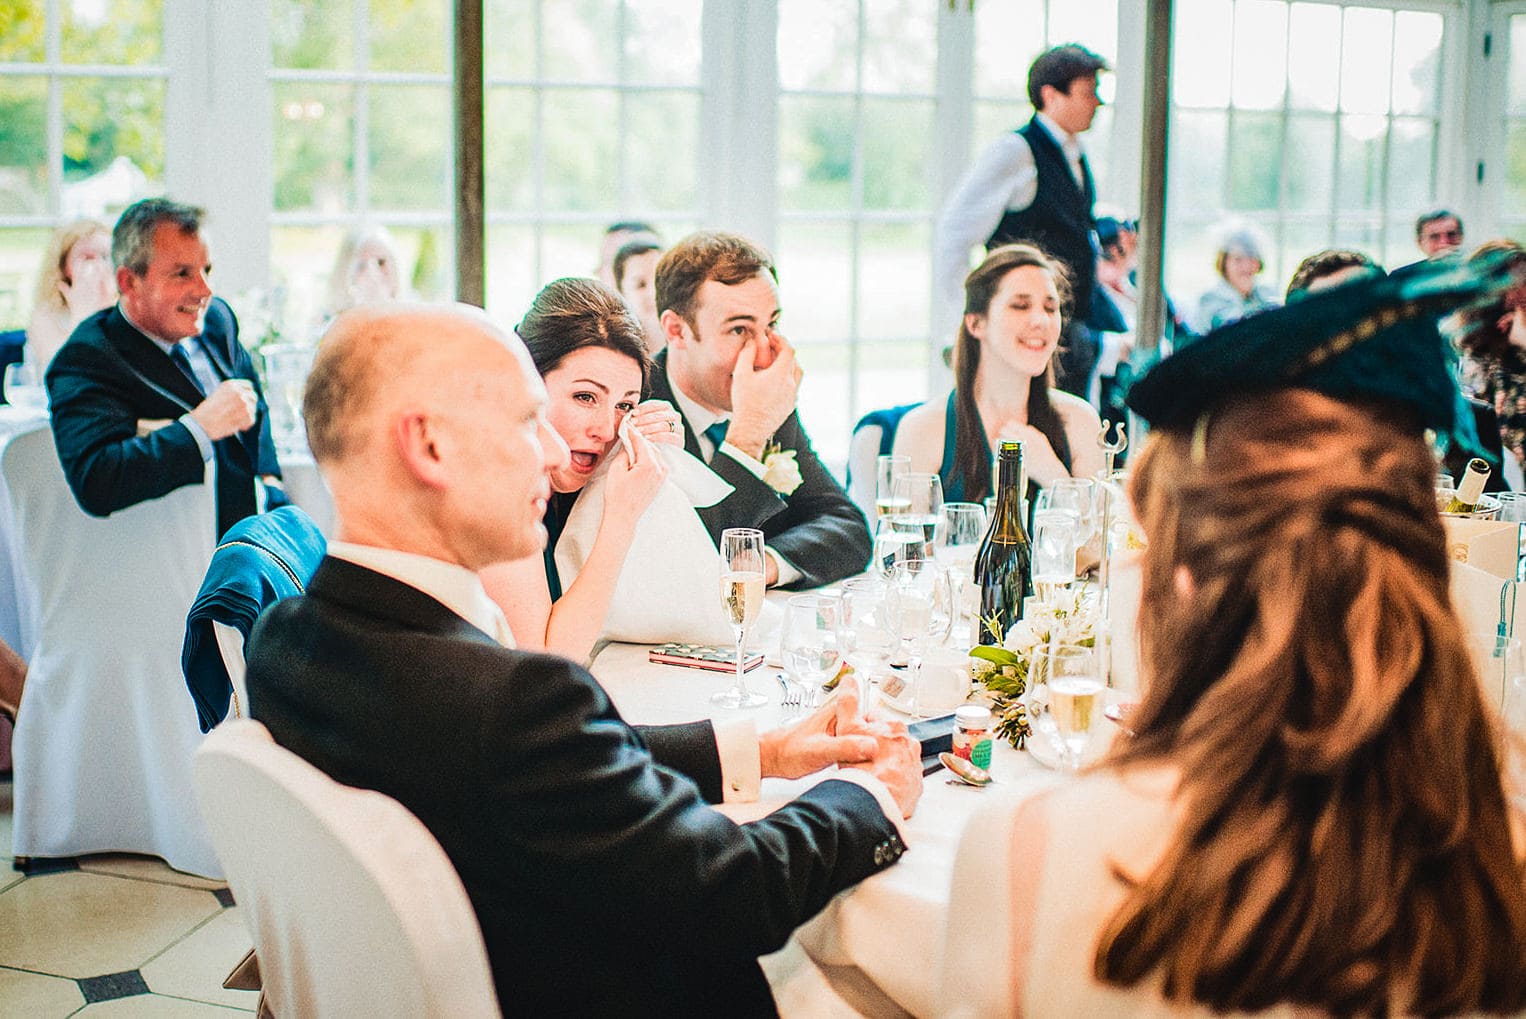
{"x": 429, "y": 423}
{"x": 373, "y": 356}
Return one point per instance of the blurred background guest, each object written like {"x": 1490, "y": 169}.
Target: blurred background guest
{"x": 616, "y": 236}
{"x": 635, "y": 272}
{"x": 1493, "y": 344}
{"x": 1238, "y": 292}
{"x": 366, "y": 271}
{"x": 76, "y": 280}
{"x": 588, "y": 348}
{"x": 1003, "y": 378}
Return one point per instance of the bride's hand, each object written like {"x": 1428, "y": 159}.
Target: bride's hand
{"x": 631, "y": 488}
{"x": 659, "y": 422}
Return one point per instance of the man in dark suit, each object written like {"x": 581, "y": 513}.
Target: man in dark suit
{"x": 146, "y": 393}
{"x": 734, "y": 380}
{"x": 603, "y": 882}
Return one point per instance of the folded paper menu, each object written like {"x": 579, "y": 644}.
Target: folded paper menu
{"x": 1489, "y": 545}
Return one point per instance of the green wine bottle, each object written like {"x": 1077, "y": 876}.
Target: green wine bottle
{"x": 1003, "y": 562}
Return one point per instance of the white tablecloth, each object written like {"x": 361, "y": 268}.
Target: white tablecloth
{"x": 881, "y": 939}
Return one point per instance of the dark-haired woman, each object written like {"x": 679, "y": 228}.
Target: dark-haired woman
{"x": 1003, "y": 374}
{"x": 588, "y": 348}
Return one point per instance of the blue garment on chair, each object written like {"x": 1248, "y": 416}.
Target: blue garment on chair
{"x": 261, "y": 560}
{"x": 887, "y": 419}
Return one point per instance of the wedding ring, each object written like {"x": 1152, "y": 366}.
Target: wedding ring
{"x": 673, "y": 426}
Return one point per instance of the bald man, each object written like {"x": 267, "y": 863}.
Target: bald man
{"x": 603, "y": 881}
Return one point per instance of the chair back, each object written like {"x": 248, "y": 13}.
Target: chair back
{"x": 103, "y": 746}
{"x": 353, "y": 907}
{"x": 873, "y": 436}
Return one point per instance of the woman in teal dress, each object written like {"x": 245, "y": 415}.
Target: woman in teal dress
{"x": 1003, "y": 384}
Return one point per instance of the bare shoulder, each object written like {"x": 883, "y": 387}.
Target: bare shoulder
{"x": 920, "y": 436}
{"x": 1082, "y": 424}
{"x": 1073, "y": 410}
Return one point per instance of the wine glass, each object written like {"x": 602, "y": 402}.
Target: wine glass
{"x": 1069, "y": 685}
{"x": 286, "y": 369}
{"x": 887, "y": 469}
{"x": 867, "y": 635}
{"x": 1079, "y": 496}
{"x": 741, "y": 601}
{"x": 1055, "y": 533}
{"x": 917, "y": 600}
{"x": 812, "y": 641}
{"x": 922, "y": 497}
{"x": 23, "y": 389}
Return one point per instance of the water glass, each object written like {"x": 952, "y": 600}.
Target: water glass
{"x": 897, "y": 539}
{"x": 868, "y": 639}
{"x": 23, "y": 389}
{"x": 919, "y": 501}
{"x": 812, "y": 641}
{"x": 741, "y": 594}
{"x": 1512, "y": 506}
{"x": 887, "y": 469}
{"x": 964, "y": 528}
{"x": 1056, "y": 534}
{"x": 286, "y": 369}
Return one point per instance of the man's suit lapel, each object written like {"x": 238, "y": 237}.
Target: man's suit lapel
{"x": 151, "y": 365}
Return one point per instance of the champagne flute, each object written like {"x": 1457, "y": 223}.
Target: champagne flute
{"x": 922, "y": 497}
{"x": 1074, "y": 692}
{"x": 812, "y": 644}
{"x": 918, "y": 590}
{"x": 965, "y": 525}
{"x": 741, "y": 601}
{"x": 887, "y": 469}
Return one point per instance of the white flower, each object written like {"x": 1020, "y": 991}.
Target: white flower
{"x": 781, "y": 472}
{"x": 1021, "y": 637}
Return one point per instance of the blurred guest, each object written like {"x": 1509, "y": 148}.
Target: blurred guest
{"x": 1034, "y": 186}
{"x": 735, "y": 381}
{"x": 1003, "y": 374}
{"x": 635, "y": 278}
{"x": 1493, "y": 343}
{"x": 366, "y": 271}
{"x": 75, "y": 281}
{"x": 1312, "y": 814}
{"x": 597, "y": 870}
{"x": 616, "y": 236}
{"x": 588, "y": 348}
{"x": 12, "y": 680}
{"x": 1238, "y": 292}
{"x": 1438, "y": 234}
{"x": 1330, "y": 268}
{"x": 148, "y": 392}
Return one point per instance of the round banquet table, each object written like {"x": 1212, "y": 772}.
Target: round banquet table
{"x": 876, "y": 949}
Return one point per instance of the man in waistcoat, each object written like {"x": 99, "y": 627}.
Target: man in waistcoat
{"x": 1034, "y": 185}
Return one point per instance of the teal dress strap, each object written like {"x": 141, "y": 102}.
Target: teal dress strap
{"x": 953, "y": 486}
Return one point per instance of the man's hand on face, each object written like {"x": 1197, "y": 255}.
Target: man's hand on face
{"x": 230, "y": 409}
{"x": 764, "y": 386}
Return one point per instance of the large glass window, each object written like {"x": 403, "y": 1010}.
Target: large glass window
{"x": 82, "y": 88}
{"x": 1510, "y": 36}
{"x": 1316, "y": 122}
{"x": 362, "y": 135}
{"x": 593, "y": 116}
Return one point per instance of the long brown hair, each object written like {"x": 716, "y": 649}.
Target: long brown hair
{"x": 1345, "y": 837}
{"x": 972, "y": 448}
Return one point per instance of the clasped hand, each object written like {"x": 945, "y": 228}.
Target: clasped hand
{"x": 838, "y": 733}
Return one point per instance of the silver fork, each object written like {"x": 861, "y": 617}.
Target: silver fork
{"x": 789, "y": 695}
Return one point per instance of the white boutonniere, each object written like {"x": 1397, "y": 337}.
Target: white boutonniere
{"x": 780, "y": 471}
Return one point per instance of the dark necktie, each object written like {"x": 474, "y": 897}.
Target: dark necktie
{"x": 716, "y": 433}
{"x": 183, "y": 362}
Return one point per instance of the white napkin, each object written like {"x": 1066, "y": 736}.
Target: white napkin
{"x": 668, "y": 585}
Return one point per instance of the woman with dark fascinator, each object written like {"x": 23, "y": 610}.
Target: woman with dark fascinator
{"x": 1315, "y": 813}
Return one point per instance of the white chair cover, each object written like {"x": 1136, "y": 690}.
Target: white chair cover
{"x": 863, "y": 468}
{"x": 230, "y": 645}
{"x": 353, "y": 907}
{"x": 103, "y": 746}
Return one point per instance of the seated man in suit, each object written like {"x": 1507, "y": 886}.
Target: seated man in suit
{"x": 602, "y": 880}
{"x": 734, "y": 380}
{"x": 145, "y": 393}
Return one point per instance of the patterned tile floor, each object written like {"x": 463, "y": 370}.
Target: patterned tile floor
{"x": 115, "y": 936}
